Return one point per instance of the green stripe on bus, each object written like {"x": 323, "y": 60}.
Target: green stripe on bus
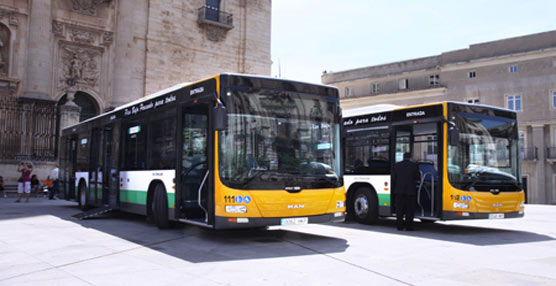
{"x": 384, "y": 199}
{"x": 99, "y": 192}
{"x": 140, "y": 197}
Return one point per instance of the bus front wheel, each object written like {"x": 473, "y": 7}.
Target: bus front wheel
{"x": 160, "y": 207}
{"x": 365, "y": 206}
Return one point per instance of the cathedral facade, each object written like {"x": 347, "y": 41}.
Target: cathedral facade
{"x": 63, "y": 61}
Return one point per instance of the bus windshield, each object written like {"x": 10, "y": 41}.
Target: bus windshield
{"x": 486, "y": 156}
{"x": 278, "y": 139}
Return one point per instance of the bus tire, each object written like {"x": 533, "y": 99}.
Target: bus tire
{"x": 365, "y": 206}
{"x": 159, "y": 207}
{"x": 83, "y": 197}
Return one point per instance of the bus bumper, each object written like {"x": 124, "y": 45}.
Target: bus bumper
{"x": 232, "y": 222}
{"x": 451, "y": 215}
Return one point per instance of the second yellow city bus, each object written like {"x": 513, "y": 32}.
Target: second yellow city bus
{"x": 467, "y": 154}
{"x": 232, "y": 151}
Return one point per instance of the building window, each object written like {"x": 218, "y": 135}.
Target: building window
{"x": 554, "y": 63}
{"x": 348, "y": 92}
{"x": 375, "y": 88}
{"x": 403, "y": 83}
{"x": 213, "y": 10}
{"x": 553, "y": 99}
{"x": 512, "y": 68}
{"x": 472, "y": 74}
{"x": 5, "y": 35}
{"x": 514, "y": 102}
{"x": 434, "y": 79}
{"x": 473, "y": 100}
{"x": 521, "y": 138}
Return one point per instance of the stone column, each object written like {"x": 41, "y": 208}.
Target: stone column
{"x": 130, "y": 51}
{"x": 538, "y": 195}
{"x": 69, "y": 112}
{"x": 39, "y": 52}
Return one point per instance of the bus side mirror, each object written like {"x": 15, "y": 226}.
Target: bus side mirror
{"x": 454, "y": 136}
{"x": 220, "y": 117}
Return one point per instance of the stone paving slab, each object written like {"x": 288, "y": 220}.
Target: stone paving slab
{"x": 41, "y": 245}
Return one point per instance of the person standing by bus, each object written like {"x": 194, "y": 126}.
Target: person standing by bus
{"x": 405, "y": 176}
{"x": 53, "y": 176}
{"x": 24, "y": 182}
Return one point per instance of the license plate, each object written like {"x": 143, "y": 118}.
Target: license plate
{"x": 295, "y": 221}
{"x": 495, "y": 216}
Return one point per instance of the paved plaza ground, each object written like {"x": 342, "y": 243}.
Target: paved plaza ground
{"x": 41, "y": 245}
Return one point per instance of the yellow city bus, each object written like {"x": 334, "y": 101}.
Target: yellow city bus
{"x": 231, "y": 151}
{"x": 467, "y": 154}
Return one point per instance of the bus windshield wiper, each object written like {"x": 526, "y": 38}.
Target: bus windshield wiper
{"x": 478, "y": 176}
{"x": 257, "y": 173}
{"x": 514, "y": 184}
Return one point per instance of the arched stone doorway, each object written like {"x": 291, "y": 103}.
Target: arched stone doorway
{"x": 83, "y": 102}
{"x": 88, "y": 105}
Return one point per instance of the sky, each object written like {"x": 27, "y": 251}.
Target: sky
{"x": 311, "y": 36}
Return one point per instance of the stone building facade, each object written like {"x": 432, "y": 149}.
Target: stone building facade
{"x": 517, "y": 73}
{"x": 67, "y": 60}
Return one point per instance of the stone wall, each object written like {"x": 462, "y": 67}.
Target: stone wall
{"x": 180, "y": 49}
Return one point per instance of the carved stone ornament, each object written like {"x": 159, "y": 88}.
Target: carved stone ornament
{"x": 80, "y": 64}
{"x": 107, "y": 38}
{"x": 215, "y": 33}
{"x": 58, "y": 28}
{"x": 87, "y": 7}
{"x": 11, "y": 16}
{"x": 82, "y": 36}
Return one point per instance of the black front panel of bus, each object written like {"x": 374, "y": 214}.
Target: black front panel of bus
{"x": 276, "y": 84}
{"x": 454, "y": 108}
{"x": 416, "y": 115}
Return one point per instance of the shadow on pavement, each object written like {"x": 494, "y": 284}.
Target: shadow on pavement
{"x": 474, "y": 235}
{"x": 190, "y": 243}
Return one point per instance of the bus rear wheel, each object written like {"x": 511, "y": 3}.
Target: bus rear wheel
{"x": 365, "y": 206}
{"x": 159, "y": 207}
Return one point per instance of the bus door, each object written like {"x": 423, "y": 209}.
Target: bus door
{"x": 194, "y": 163}
{"x": 108, "y": 168}
{"x": 69, "y": 168}
{"x": 95, "y": 168}
{"x": 422, "y": 141}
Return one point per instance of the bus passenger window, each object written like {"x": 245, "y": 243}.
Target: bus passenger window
{"x": 163, "y": 144}
{"x": 135, "y": 147}
{"x": 367, "y": 152}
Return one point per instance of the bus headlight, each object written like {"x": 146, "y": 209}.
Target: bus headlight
{"x": 461, "y": 205}
{"x": 522, "y": 205}
{"x": 236, "y": 209}
{"x": 340, "y": 204}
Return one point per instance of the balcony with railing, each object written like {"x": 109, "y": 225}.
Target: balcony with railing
{"x": 215, "y": 17}
{"x": 529, "y": 154}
